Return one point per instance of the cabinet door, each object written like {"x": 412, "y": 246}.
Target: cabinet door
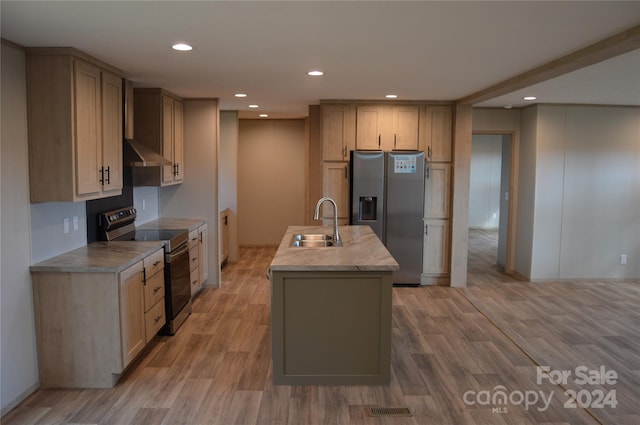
{"x": 203, "y": 264}
{"x": 406, "y": 121}
{"x": 132, "y": 326}
{"x": 370, "y": 127}
{"x": 436, "y": 190}
{"x": 88, "y": 142}
{"x": 178, "y": 140}
{"x": 438, "y": 131}
{"x": 338, "y": 132}
{"x": 436, "y": 247}
{"x": 111, "y": 132}
{"x": 336, "y": 186}
{"x": 167, "y": 139}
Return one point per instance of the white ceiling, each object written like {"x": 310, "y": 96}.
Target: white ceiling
{"x": 420, "y": 50}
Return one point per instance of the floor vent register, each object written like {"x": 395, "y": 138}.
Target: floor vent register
{"x": 388, "y": 411}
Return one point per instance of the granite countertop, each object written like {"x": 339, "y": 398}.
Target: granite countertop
{"x": 99, "y": 257}
{"x": 361, "y": 251}
{"x": 173, "y": 223}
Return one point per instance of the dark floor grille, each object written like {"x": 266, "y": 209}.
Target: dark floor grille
{"x": 388, "y": 411}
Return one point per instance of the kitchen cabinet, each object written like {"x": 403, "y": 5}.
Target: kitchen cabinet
{"x": 387, "y": 127}
{"x": 338, "y": 131}
{"x": 132, "y": 320}
{"x": 437, "y": 190}
{"x": 199, "y": 268}
{"x": 74, "y": 106}
{"x": 331, "y": 311}
{"x": 436, "y": 248}
{"x": 336, "y": 186}
{"x": 224, "y": 236}
{"x": 158, "y": 124}
{"x": 154, "y": 312}
{"x": 92, "y": 322}
{"x": 436, "y": 136}
{"x": 203, "y": 254}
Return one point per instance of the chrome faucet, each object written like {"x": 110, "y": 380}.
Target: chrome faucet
{"x": 337, "y": 240}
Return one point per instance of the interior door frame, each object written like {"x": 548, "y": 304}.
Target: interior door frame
{"x": 513, "y": 195}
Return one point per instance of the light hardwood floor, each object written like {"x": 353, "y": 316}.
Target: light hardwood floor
{"x": 446, "y": 343}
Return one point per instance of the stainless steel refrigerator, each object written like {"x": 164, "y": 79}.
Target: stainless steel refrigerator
{"x": 387, "y": 193}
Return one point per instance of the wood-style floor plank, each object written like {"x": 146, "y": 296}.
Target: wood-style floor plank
{"x": 446, "y": 342}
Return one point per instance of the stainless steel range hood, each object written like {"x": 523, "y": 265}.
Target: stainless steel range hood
{"x": 136, "y": 154}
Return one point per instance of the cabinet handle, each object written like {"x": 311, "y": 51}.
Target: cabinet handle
{"x": 429, "y": 152}
{"x": 101, "y": 175}
{"x": 144, "y": 276}
{"x": 177, "y": 169}
{"x": 427, "y": 172}
{"x": 225, "y": 223}
{"x": 157, "y": 318}
{"x": 346, "y": 172}
{"x": 426, "y": 229}
{"x": 156, "y": 289}
{"x": 194, "y": 259}
{"x": 108, "y": 174}
{"x": 379, "y": 140}
{"x": 344, "y": 151}
{"x": 394, "y": 141}
{"x": 195, "y": 282}
{"x": 155, "y": 263}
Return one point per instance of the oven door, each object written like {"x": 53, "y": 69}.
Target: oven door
{"x": 177, "y": 286}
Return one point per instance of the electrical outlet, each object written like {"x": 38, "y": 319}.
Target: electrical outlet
{"x": 65, "y": 224}
{"x": 144, "y": 204}
{"x": 623, "y": 259}
{"x": 75, "y": 223}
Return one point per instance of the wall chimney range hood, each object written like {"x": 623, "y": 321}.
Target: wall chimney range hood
{"x": 136, "y": 154}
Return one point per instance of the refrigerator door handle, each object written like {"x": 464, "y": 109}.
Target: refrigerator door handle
{"x": 426, "y": 229}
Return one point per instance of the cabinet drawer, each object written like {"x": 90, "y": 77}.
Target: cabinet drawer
{"x": 153, "y": 263}
{"x": 154, "y": 319}
{"x": 153, "y": 290}
{"x": 194, "y": 238}
{"x": 195, "y": 280}
{"x": 194, "y": 258}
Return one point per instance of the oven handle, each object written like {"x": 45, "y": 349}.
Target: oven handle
{"x": 178, "y": 252}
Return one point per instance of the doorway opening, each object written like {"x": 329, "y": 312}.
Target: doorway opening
{"x": 490, "y": 212}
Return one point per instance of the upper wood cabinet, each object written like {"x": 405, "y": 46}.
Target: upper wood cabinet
{"x": 437, "y": 124}
{"x": 387, "y": 127}
{"x": 338, "y": 132}
{"x": 74, "y": 106}
{"x": 158, "y": 123}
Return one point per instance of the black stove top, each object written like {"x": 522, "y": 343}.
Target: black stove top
{"x": 118, "y": 225}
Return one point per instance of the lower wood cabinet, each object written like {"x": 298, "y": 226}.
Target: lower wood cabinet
{"x": 198, "y": 252}
{"x": 435, "y": 250}
{"x": 90, "y": 326}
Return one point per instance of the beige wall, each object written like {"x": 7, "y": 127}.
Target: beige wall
{"x": 271, "y": 179}
{"x": 197, "y": 196}
{"x": 587, "y": 193}
{"x": 18, "y": 346}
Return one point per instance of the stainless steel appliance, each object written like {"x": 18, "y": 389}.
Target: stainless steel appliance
{"x": 387, "y": 193}
{"x": 118, "y": 225}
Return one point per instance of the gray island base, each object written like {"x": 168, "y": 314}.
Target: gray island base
{"x": 331, "y": 310}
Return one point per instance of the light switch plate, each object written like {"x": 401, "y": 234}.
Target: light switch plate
{"x": 65, "y": 223}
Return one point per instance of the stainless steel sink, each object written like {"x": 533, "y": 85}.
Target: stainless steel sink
{"x": 318, "y": 240}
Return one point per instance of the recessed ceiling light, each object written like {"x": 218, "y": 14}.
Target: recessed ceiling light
{"x": 264, "y": 115}
{"x": 181, "y": 47}
{"x": 240, "y": 95}
{"x": 315, "y": 73}
{"x": 529, "y": 98}
{"x": 391, "y": 96}
{"x": 508, "y": 106}
{"x": 254, "y": 106}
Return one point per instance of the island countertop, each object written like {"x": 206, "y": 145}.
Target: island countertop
{"x": 361, "y": 251}
{"x": 99, "y": 257}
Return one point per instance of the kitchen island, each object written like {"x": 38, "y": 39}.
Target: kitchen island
{"x": 331, "y": 309}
